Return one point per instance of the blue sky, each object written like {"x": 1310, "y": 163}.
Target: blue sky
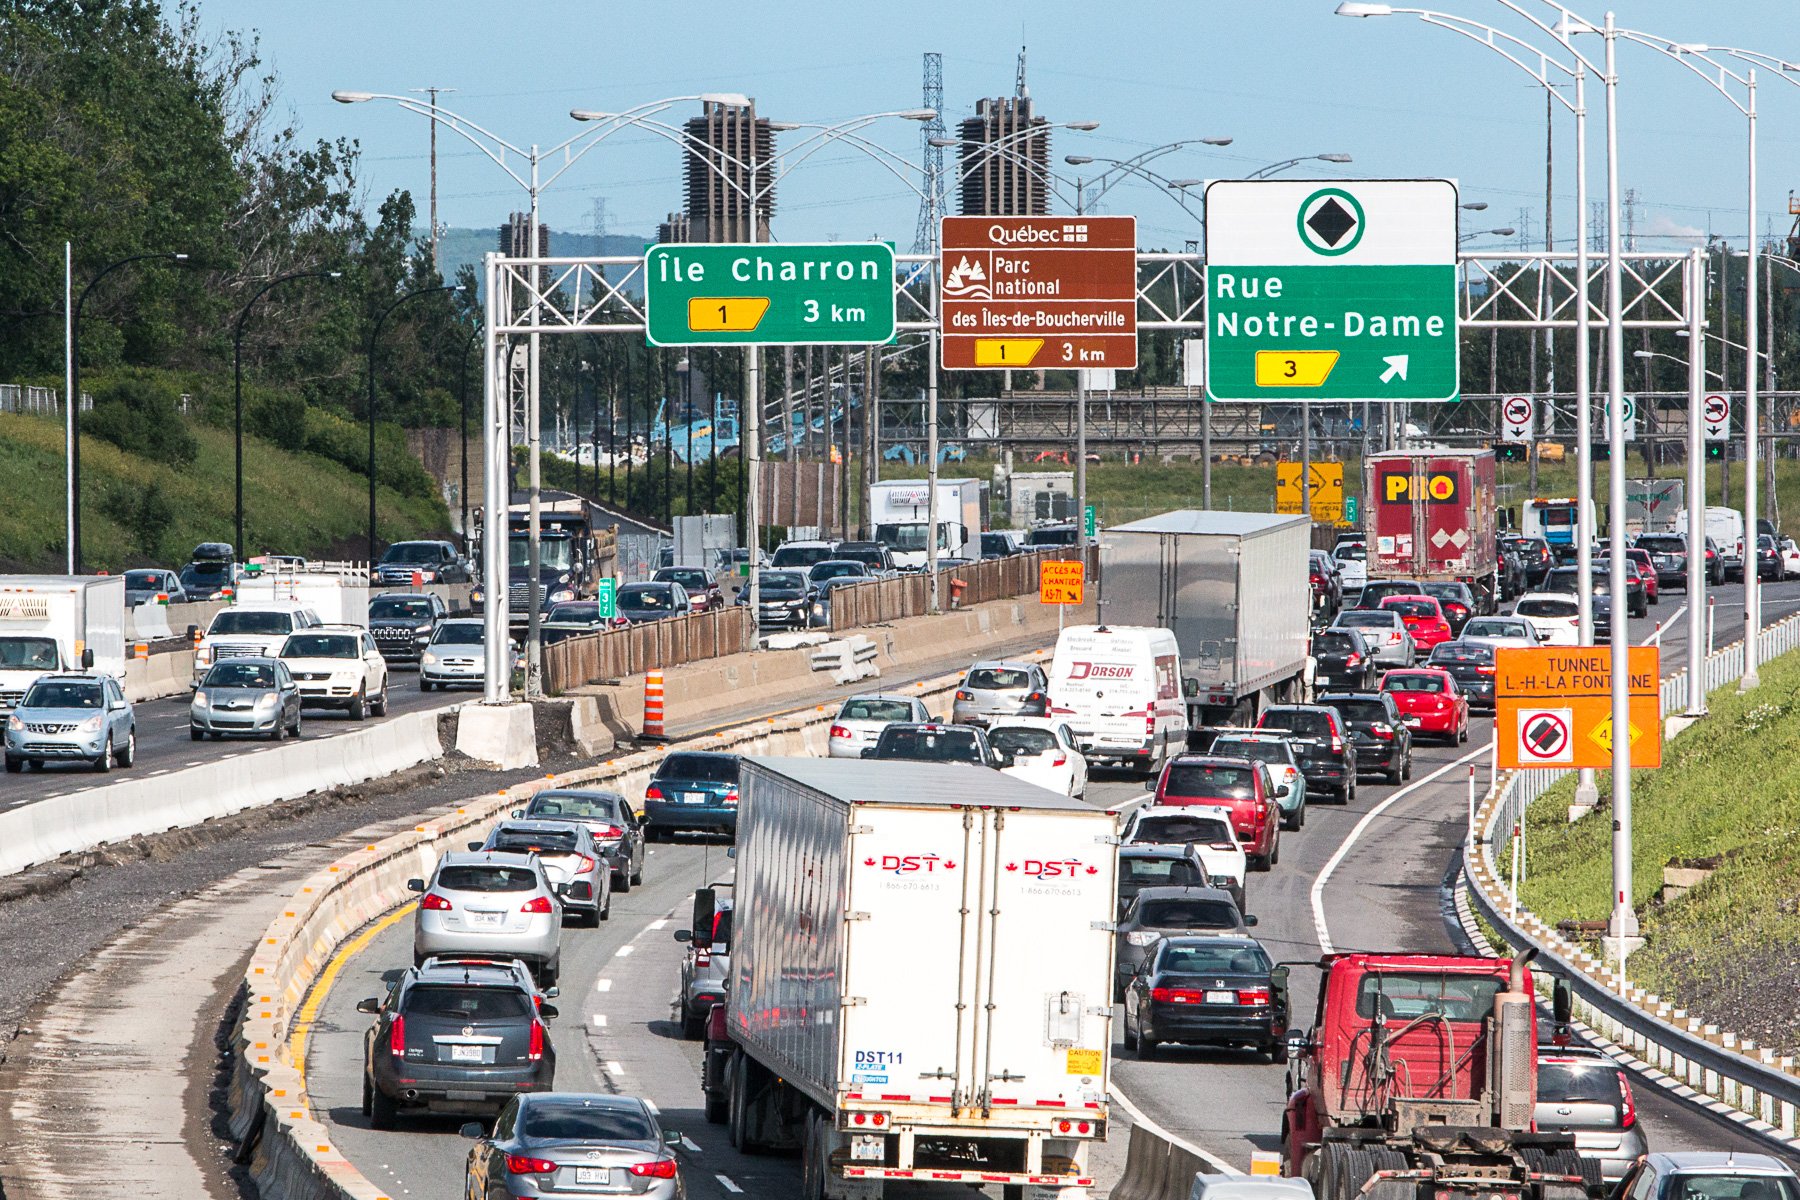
{"x": 1282, "y": 77}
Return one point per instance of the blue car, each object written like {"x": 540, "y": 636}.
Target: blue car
{"x": 72, "y": 718}
{"x": 692, "y": 791}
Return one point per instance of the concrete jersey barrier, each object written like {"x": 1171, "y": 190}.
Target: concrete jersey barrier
{"x": 290, "y": 1154}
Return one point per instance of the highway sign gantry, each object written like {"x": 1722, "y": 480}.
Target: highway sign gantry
{"x": 1038, "y": 292}
{"x": 1331, "y": 290}
{"x": 769, "y": 294}
{"x": 1553, "y": 706}
{"x": 1061, "y": 582}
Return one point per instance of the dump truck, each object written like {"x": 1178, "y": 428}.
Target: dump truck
{"x": 893, "y": 1012}
{"x": 1430, "y": 515}
{"x": 1418, "y": 1080}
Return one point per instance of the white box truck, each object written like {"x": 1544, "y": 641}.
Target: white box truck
{"x": 921, "y": 979}
{"x": 900, "y": 508}
{"x": 339, "y": 597}
{"x": 49, "y": 622}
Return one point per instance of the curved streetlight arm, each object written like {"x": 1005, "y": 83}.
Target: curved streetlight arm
{"x": 887, "y": 158}
{"x": 1120, "y": 169}
{"x": 1273, "y": 168}
{"x": 1514, "y": 50}
{"x": 1685, "y": 54}
{"x": 1051, "y": 178}
{"x": 1003, "y": 145}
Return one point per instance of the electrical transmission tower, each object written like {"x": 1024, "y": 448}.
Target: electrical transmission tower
{"x": 925, "y": 240}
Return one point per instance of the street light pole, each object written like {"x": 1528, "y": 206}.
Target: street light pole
{"x": 463, "y": 492}
{"x": 237, "y": 387}
{"x": 1696, "y": 523}
{"x": 375, "y": 333}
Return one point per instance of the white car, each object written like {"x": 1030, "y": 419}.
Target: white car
{"x": 1500, "y": 631}
{"x": 859, "y": 722}
{"x": 1556, "y": 616}
{"x": 338, "y": 666}
{"x": 1205, "y": 827}
{"x": 250, "y": 631}
{"x": 1790, "y": 555}
{"x": 1353, "y": 566}
{"x": 1042, "y": 751}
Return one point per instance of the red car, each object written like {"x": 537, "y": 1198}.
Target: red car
{"x": 1424, "y": 618}
{"x": 1237, "y": 783}
{"x": 1646, "y": 568}
{"x": 1431, "y": 702}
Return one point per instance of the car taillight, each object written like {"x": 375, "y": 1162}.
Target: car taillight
{"x": 1038, "y": 701}
{"x": 583, "y": 865}
{"x": 1485, "y": 670}
{"x": 838, "y": 731}
{"x": 397, "y": 1037}
{"x": 1627, "y": 1109}
{"x": 1394, "y": 635}
{"x": 1353, "y": 660}
{"x": 702, "y": 958}
{"x": 539, "y": 904}
{"x": 1337, "y": 744}
{"x": 662, "y": 1168}
{"x": 653, "y": 793}
{"x": 1176, "y": 996}
{"x": 731, "y": 795}
{"x": 518, "y": 1164}
{"x": 536, "y": 1049}
{"x": 435, "y": 903}
{"x": 1060, "y": 760}
{"x": 1224, "y": 845}
{"x": 1253, "y": 996}
{"x": 609, "y": 831}
{"x": 961, "y": 695}
{"x": 1443, "y": 627}
{"x": 1383, "y": 731}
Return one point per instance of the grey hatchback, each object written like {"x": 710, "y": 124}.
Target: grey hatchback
{"x": 1000, "y": 689}
{"x": 1581, "y": 1091}
{"x": 72, "y": 718}
{"x": 255, "y": 696}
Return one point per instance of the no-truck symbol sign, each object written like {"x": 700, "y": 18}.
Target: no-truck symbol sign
{"x": 1517, "y": 419}
{"x": 1544, "y": 735}
{"x": 1715, "y": 415}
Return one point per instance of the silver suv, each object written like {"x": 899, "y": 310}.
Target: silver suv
{"x": 1000, "y": 689}
{"x": 72, "y": 718}
{"x": 494, "y": 904}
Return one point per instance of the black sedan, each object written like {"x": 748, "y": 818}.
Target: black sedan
{"x": 641, "y": 602}
{"x": 1769, "y": 563}
{"x": 1217, "y": 991}
{"x": 1384, "y": 741}
{"x": 1471, "y": 664}
{"x": 1343, "y": 661}
{"x": 785, "y": 598}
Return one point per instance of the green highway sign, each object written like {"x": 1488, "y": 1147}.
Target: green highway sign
{"x": 1331, "y": 290}
{"x": 769, "y": 294}
{"x": 607, "y": 598}
{"x": 1088, "y": 523}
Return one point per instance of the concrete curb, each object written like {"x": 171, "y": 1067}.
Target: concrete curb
{"x": 293, "y": 1157}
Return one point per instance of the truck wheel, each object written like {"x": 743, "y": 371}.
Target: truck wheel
{"x": 718, "y": 1108}
{"x": 815, "y": 1152}
{"x": 1390, "y": 1189}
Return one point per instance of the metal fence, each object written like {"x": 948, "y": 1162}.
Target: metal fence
{"x": 883, "y": 600}
{"x": 650, "y": 646}
{"x": 21, "y": 398}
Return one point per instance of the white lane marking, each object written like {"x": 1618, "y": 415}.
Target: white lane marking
{"x": 660, "y": 924}
{"x": 1138, "y": 1118}
{"x": 1122, "y": 805}
{"x": 622, "y": 951}
{"x": 687, "y": 1144}
{"x": 651, "y": 1105}
{"x": 1318, "y": 887}
{"x": 614, "y": 1068}
{"x": 603, "y": 985}
{"x": 725, "y": 1181}
{"x": 598, "y": 1020}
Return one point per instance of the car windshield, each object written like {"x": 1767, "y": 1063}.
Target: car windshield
{"x": 254, "y": 624}
{"x": 582, "y": 612}
{"x": 931, "y": 745}
{"x": 1022, "y": 741}
{"x": 1311, "y": 724}
{"x": 1213, "y": 960}
{"x": 1489, "y": 627}
{"x": 997, "y": 679}
{"x": 551, "y": 1120}
{"x": 413, "y": 552}
{"x": 554, "y": 553}
{"x": 28, "y": 654}
{"x": 1700, "y": 1185}
{"x": 700, "y": 768}
{"x": 487, "y": 877}
{"x": 799, "y": 556}
{"x": 1403, "y": 681}
{"x": 1548, "y": 608}
{"x": 322, "y": 645}
{"x": 1578, "y": 1083}
{"x": 58, "y": 694}
{"x": 541, "y": 841}
{"x": 1409, "y": 994}
{"x": 1210, "y": 781}
{"x": 1351, "y": 552}
{"x": 1187, "y": 914}
{"x": 399, "y": 608}
{"x": 139, "y": 580}
{"x": 1447, "y": 591}
{"x": 1463, "y": 652}
{"x": 782, "y": 581}
{"x": 1359, "y": 712}
{"x": 568, "y": 804}
{"x": 1662, "y": 545}
{"x": 647, "y": 598}
{"x": 1257, "y": 751}
{"x": 1363, "y": 618}
{"x": 691, "y": 578}
{"x": 994, "y": 543}
{"x": 1136, "y": 874}
{"x": 466, "y": 1003}
{"x": 1334, "y": 643}
{"x": 462, "y": 633}
{"x": 241, "y": 675}
{"x": 1412, "y": 608}
{"x": 834, "y": 570}
{"x": 876, "y": 710}
{"x": 1168, "y": 831}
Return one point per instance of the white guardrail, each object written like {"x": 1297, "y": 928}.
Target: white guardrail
{"x": 289, "y": 1153}
{"x": 1700, "y": 1063}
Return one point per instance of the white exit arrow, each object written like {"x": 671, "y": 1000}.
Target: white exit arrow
{"x": 1396, "y": 366}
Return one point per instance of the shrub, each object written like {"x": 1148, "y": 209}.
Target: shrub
{"x": 140, "y": 416}
{"x": 281, "y": 417}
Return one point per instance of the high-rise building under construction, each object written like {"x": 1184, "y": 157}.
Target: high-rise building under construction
{"x": 729, "y": 161}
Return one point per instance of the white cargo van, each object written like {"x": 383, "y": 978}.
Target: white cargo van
{"x": 1118, "y": 687}
{"x": 1725, "y": 526}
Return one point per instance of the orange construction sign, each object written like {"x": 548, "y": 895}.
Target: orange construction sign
{"x": 1553, "y": 706}
{"x": 1061, "y": 582}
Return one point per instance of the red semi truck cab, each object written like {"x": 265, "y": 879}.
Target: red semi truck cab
{"x": 1431, "y": 515}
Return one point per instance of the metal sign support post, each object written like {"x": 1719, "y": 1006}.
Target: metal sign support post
{"x": 1587, "y": 793}
{"x": 933, "y": 346}
{"x": 1752, "y": 577}
{"x": 750, "y": 447}
{"x": 1081, "y": 463}
{"x": 497, "y": 445}
{"x": 1696, "y": 514}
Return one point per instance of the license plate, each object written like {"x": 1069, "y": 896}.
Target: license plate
{"x": 452, "y": 1094}
{"x": 487, "y": 918}
{"x": 593, "y": 1175}
{"x": 1221, "y": 997}
{"x": 696, "y": 797}
{"x": 465, "y": 1054}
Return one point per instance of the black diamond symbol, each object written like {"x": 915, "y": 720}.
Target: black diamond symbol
{"x": 1331, "y": 222}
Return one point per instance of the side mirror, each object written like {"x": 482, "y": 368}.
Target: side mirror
{"x": 672, "y": 1137}
{"x": 87, "y": 660}
{"x": 193, "y": 631}
{"x": 370, "y": 1005}
{"x": 1282, "y": 790}
{"x": 684, "y": 935}
{"x": 473, "y": 1131}
{"x": 518, "y": 814}
{"x": 1249, "y": 920}
{"x": 705, "y": 911}
{"x": 731, "y": 852}
{"x": 552, "y": 992}
{"x": 415, "y": 885}
{"x": 548, "y": 1011}
{"x": 1298, "y": 1043}
{"x": 1562, "y": 1002}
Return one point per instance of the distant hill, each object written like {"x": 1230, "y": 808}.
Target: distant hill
{"x": 459, "y": 246}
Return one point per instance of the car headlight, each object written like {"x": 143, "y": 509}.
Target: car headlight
{"x": 267, "y": 700}
{"x": 425, "y": 628}
{"x": 344, "y": 676}
{"x": 562, "y": 578}
{"x": 428, "y": 657}
{"x": 91, "y": 725}
{"x": 15, "y": 724}
{"x": 203, "y": 655}
{"x": 200, "y": 699}
{"x": 560, "y": 595}
{"x": 475, "y": 596}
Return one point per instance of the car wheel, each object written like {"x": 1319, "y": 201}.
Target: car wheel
{"x": 424, "y": 685}
{"x": 358, "y": 708}
{"x": 1131, "y": 1037}
{"x": 103, "y": 762}
{"x": 637, "y": 876}
{"x": 1349, "y": 792}
{"x": 130, "y": 755}
{"x": 693, "y": 1027}
{"x": 1462, "y": 734}
{"x": 1275, "y": 851}
{"x": 384, "y": 1114}
{"x": 279, "y": 733}
{"x": 195, "y": 733}
{"x": 1395, "y": 772}
{"x": 14, "y": 765}
{"x": 1277, "y": 1052}
{"x": 1146, "y": 1048}
{"x": 368, "y": 1097}
{"x": 381, "y": 701}
{"x": 621, "y": 882}
{"x": 216, "y": 735}
{"x": 605, "y": 913}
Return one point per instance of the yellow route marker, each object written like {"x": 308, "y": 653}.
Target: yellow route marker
{"x": 1006, "y": 352}
{"x": 726, "y": 314}
{"x": 1294, "y": 368}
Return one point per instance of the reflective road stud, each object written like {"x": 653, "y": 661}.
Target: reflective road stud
{"x": 653, "y": 704}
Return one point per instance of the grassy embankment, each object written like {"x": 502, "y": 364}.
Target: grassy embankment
{"x": 294, "y": 503}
